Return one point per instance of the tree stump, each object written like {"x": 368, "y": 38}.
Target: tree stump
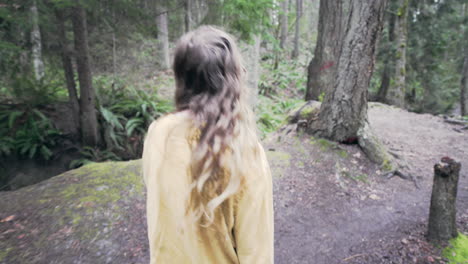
{"x": 442, "y": 215}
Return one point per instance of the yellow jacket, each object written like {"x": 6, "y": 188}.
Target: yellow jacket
{"x": 244, "y": 232}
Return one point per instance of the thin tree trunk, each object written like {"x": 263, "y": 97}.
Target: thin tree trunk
{"x": 38, "y": 63}
{"x": 283, "y": 23}
{"x": 295, "y": 52}
{"x": 464, "y": 86}
{"x": 389, "y": 59}
{"x": 343, "y": 114}
{"x": 188, "y": 15}
{"x": 254, "y": 69}
{"x": 396, "y": 91}
{"x": 163, "y": 34}
{"x": 68, "y": 68}
{"x": 322, "y": 67}
{"x": 214, "y": 15}
{"x": 464, "y": 75}
{"x": 89, "y": 125}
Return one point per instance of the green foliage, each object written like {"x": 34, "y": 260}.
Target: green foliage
{"x": 248, "y": 17}
{"x": 321, "y": 97}
{"x": 125, "y": 113}
{"x": 27, "y": 133}
{"x": 457, "y": 252}
{"x": 272, "y": 112}
{"x": 289, "y": 75}
{"x": 91, "y": 155}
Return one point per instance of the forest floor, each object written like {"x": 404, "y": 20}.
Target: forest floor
{"x": 336, "y": 207}
{"x": 331, "y": 204}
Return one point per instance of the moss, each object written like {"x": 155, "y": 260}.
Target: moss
{"x": 387, "y": 166}
{"x": 398, "y": 55}
{"x": 457, "y": 252}
{"x": 280, "y": 158}
{"x": 343, "y": 153}
{"x": 325, "y": 144}
{"x": 4, "y": 253}
{"x": 402, "y": 71}
{"x": 300, "y": 164}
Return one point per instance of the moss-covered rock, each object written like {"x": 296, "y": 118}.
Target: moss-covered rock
{"x": 94, "y": 214}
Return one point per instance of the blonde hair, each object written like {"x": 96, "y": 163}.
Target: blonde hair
{"x": 210, "y": 84}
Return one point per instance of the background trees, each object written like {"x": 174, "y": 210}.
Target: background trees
{"x": 108, "y": 63}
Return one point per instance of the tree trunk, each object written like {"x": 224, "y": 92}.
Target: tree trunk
{"x": 188, "y": 15}
{"x": 343, "y": 114}
{"x": 322, "y": 68}
{"x": 214, "y": 15}
{"x": 283, "y": 23}
{"x": 464, "y": 74}
{"x": 163, "y": 34}
{"x": 442, "y": 215}
{"x": 388, "y": 57}
{"x": 253, "y": 68}
{"x": 295, "y": 52}
{"x": 464, "y": 86}
{"x": 89, "y": 125}
{"x": 396, "y": 90}
{"x": 68, "y": 68}
{"x": 38, "y": 63}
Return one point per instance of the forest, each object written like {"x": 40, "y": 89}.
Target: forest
{"x": 362, "y": 107}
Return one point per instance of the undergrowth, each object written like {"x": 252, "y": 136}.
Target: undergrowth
{"x": 457, "y": 252}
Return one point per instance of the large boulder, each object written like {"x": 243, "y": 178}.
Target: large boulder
{"x": 93, "y": 214}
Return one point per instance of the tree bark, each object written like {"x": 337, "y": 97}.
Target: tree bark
{"x": 464, "y": 86}
{"x": 396, "y": 90}
{"x": 442, "y": 214}
{"x": 68, "y": 68}
{"x": 88, "y": 118}
{"x": 464, "y": 74}
{"x": 188, "y": 15}
{"x": 295, "y": 52}
{"x": 214, "y": 15}
{"x": 343, "y": 114}
{"x": 163, "y": 34}
{"x": 253, "y": 68}
{"x": 283, "y": 23}
{"x": 389, "y": 58}
{"x": 38, "y": 63}
{"x": 322, "y": 68}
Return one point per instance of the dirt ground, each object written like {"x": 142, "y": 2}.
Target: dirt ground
{"x": 332, "y": 207}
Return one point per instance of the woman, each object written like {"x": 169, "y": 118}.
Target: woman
{"x": 209, "y": 189}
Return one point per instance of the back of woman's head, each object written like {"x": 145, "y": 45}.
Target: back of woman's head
{"x": 210, "y": 84}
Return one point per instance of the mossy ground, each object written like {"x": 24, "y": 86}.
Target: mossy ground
{"x": 457, "y": 252}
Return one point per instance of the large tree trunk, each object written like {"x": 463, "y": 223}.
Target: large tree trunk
{"x": 323, "y": 65}
{"x": 163, "y": 34}
{"x": 283, "y": 23}
{"x": 89, "y": 125}
{"x": 68, "y": 67}
{"x": 295, "y": 52}
{"x": 38, "y": 63}
{"x": 343, "y": 114}
{"x": 396, "y": 90}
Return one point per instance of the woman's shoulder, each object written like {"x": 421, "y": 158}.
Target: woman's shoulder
{"x": 168, "y": 121}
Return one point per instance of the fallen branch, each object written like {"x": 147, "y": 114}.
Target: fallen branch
{"x": 455, "y": 121}
{"x": 354, "y": 256}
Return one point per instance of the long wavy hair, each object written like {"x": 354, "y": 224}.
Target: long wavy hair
{"x": 210, "y": 84}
